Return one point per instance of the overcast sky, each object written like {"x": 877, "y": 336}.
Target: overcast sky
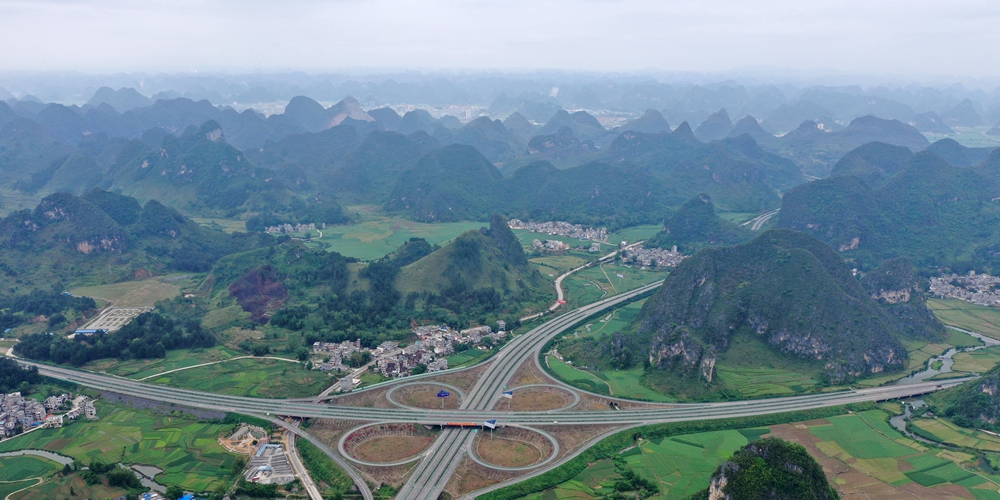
{"x": 882, "y": 37}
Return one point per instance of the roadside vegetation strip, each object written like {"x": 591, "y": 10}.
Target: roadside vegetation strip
{"x": 324, "y": 470}
{"x": 342, "y": 444}
{"x": 610, "y": 446}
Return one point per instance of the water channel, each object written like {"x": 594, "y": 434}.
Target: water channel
{"x": 947, "y": 362}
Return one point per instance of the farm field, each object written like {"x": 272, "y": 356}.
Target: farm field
{"x": 375, "y": 236}
{"x": 6, "y": 488}
{"x": 862, "y": 456}
{"x": 557, "y": 264}
{"x": 178, "y": 358}
{"x": 980, "y": 361}
{"x": 26, "y": 467}
{"x": 256, "y": 377}
{"x": 61, "y": 487}
{"x": 753, "y": 370}
{"x": 468, "y": 357}
{"x": 966, "y": 315}
{"x": 187, "y": 450}
{"x": 141, "y": 293}
{"x": 225, "y": 225}
{"x": 574, "y": 376}
{"x": 634, "y": 233}
{"x": 618, "y": 383}
{"x": 616, "y": 320}
{"x": 592, "y": 284}
{"x": 946, "y": 431}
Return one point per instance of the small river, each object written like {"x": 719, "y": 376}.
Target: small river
{"x": 947, "y": 362}
{"x": 947, "y": 359}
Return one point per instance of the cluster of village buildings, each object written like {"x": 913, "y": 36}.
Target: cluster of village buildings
{"x": 652, "y": 257}
{"x": 982, "y": 289}
{"x": 18, "y": 414}
{"x": 293, "y": 228}
{"x": 553, "y": 245}
{"x": 562, "y": 229}
{"x": 391, "y": 360}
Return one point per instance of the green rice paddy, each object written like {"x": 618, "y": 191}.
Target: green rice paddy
{"x": 25, "y": 467}
{"x": 256, "y": 377}
{"x": 968, "y": 316}
{"x": 864, "y": 442}
{"x": 187, "y": 450}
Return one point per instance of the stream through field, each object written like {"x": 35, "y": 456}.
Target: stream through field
{"x": 947, "y": 359}
{"x": 947, "y": 362}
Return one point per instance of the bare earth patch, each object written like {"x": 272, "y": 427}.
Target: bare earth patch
{"x": 425, "y": 396}
{"x": 366, "y": 399}
{"x": 464, "y": 379}
{"x": 329, "y": 430}
{"x": 391, "y": 448}
{"x": 528, "y": 373}
{"x": 508, "y": 453}
{"x": 536, "y": 399}
{"x": 471, "y": 476}
{"x": 512, "y": 447}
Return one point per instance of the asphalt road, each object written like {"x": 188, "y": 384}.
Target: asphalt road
{"x": 432, "y": 473}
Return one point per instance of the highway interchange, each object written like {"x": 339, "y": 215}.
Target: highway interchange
{"x": 431, "y": 475}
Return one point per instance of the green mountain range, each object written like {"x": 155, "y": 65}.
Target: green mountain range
{"x": 105, "y": 237}
{"x": 694, "y": 225}
{"x": 883, "y": 201}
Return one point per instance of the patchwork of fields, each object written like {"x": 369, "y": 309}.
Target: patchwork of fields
{"x": 187, "y": 450}
{"x": 862, "y": 456}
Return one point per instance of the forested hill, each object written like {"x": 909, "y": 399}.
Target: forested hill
{"x": 884, "y": 202}
{"x": 769, "y": 468}
{"x": 975, "y": 403}
{"x": 479, "y": 277}
{"x": 106, "y": 236}
{"x": 786, "y": 289}
{"x": 695, "y": 225}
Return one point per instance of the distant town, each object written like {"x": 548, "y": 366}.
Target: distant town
{"x": 561, "y": 228}
{"x": 982, "y": 289}
{"x": 652, "y": 257}
{"x": 293, "y": 228}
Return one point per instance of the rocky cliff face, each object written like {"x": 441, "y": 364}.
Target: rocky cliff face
{"x": 789, "y": 290}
